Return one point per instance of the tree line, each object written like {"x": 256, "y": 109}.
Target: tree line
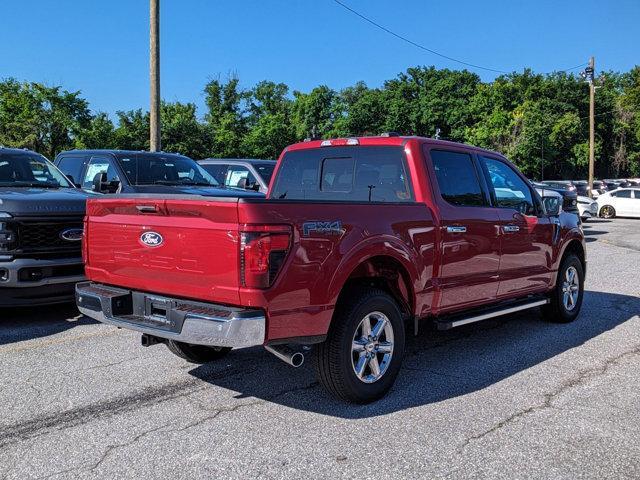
{"x": 539, "y": 121}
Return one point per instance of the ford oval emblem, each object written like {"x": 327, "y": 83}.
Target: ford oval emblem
{"x": 151, "y": 239}
{"x": 71, "y": 234}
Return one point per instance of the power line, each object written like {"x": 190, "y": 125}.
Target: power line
{"x": 422, "y": 47}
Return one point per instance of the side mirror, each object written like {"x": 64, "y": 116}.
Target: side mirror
{"x": 553, "y": 206}
{"x": 99, "y": 181}
{"x": 101, "y": 185}
{"x": 255, "y": 187}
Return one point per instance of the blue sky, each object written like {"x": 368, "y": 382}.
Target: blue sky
{"x": 101, "y": 47}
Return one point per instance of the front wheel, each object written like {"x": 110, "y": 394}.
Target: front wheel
{"x": 607, "y": 212}
{"x": 565, "y": 300}
{"x": 196, "y": 353}
{"x": 362, "y": 355}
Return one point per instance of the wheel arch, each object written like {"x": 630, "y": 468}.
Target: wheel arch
{"x": 576, "y": 246}
{"x": 381, "y": 264}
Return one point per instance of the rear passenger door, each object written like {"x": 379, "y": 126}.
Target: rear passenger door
{"x": 469, "y": 242}
{"x": 624, "y": 202}
{"x": 526, "y": 231}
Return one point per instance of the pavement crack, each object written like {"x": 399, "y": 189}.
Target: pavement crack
{"x": 95, "y": 367}
{"x": 57, "y": 421}
{"x": 581, "y": 378}
{"x": 135, "y": 439}
{"x": 214, "y": 412}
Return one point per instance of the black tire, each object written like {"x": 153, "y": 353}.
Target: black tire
{"x": 196, "y": 353}
{"x": 334, "y": 359}
{"x": 556, "y": 311}
{"x": 607, "y": 211}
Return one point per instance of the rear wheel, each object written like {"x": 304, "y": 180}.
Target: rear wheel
{"x": 362, "y": 355}
{"x": 196, "y": 353}
{"x": 607, "y": 212}
{"x": 566, "y": 297}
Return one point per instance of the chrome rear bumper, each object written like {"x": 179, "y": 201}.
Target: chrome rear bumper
{"x": 172, "y": 318}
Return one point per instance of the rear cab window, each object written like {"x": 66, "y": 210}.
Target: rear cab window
{"x": 346, "y": 174}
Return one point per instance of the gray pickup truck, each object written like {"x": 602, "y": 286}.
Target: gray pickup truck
{"x": 41, "y": 227}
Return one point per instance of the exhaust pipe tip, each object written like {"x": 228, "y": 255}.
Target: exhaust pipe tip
{"x": 286, "y": 354}
{"x": 297, "y": 359}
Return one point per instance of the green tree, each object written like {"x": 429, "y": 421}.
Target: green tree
{"x": 182, "y": 132}
{"x": 225, "y": 122}
{"x": 100, "y": 133}
{"x": 269, "y": 121}
{"x": 41, "y": 118}
{"x": 359, "y": 111}
{"x": 314, "y": 112}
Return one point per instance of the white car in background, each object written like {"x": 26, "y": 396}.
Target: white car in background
{"x": 622, "y": 202}
{"x": 588, "y": 208}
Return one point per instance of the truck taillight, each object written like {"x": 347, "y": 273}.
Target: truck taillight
{"x": 263, "y": 249}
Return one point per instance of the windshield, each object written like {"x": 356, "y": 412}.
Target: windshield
{"x": 265, "y": 170}
{"x": 30, "y": 170}
{"x": 158, "y": 169}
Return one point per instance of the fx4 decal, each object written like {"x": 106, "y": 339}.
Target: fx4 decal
{"x": 333, "y": 227}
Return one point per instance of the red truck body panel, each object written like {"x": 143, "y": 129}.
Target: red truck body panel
{"x": 198, "y": 259}
{"x": 443, "y": 272}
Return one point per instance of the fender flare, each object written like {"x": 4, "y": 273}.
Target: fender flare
{"x": 573, "y": 235}
{"x": 377, "y": 246}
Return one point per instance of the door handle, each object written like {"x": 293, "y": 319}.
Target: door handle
{"x": 146, "y": 208}
{"x": 510, "y": 228}
{"x": 456, "y": 229}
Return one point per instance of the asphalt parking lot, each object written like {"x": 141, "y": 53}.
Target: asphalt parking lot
{"x": 508, "y": 398}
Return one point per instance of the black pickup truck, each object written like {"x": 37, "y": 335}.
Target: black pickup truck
{"x": 126, "y": 172}
{"x": 41, "y": 227}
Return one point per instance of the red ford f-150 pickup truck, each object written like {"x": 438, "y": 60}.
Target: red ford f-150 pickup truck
{"x": 357, "y": 239}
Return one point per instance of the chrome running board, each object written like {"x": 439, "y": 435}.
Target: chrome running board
{"x": 495, "y": 312}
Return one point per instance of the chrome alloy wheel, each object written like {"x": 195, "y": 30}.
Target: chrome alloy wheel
{"x": 570, "y": 288}
{"x": 372, "y": 347}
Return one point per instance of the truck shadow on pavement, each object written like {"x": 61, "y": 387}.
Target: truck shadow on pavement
{"x": 437, "y": 365}
{"x": 20, "y": 324}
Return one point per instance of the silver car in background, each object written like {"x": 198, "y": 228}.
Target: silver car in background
{"x": 242, "y": 173}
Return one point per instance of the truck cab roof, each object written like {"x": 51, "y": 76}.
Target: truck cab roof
{"x": 383, "y": 140}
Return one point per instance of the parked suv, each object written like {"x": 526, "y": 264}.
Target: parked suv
{"x": 251, "y": 174}
{"x": 122, "y": 171}
{"x": 40, "y": 231}
{"x": 569, "y": 195}
{"x": 357, "y": 237}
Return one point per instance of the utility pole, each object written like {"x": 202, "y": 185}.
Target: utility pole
{"x": 589, "y": 73}
{"x": 154, "y": 75}
{"x": 542, "y": 159}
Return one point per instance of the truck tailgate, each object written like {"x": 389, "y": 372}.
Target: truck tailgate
{"x": 174, "y": 246}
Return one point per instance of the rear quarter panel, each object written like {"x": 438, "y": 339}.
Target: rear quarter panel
{"x": 302, "y": 300}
